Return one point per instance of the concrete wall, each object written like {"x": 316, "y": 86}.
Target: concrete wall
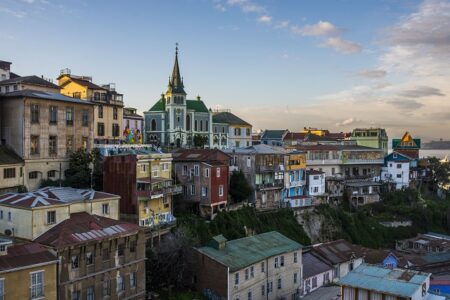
{"x": 11, "y": 184}
{"x": 320, "y": 278}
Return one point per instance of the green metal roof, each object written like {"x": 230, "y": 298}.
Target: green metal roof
{"x": 195, "y": 105}
{"x": 396, "y": 144}
{"x": 273, "y": 134}
{"x": 240, "y": 253}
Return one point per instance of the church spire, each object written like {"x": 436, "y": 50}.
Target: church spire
{"x": 176, "y": 82}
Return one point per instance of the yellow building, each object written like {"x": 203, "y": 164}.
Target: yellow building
{"x": 108, "y": 105}
{"x": 29, "y": 215}
{"x": 27, "y": 271}
{"x": 154, "y": 174}
{"x": 316, "y": 131}
{"x": 11, "y": 171}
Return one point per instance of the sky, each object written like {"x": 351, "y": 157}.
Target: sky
{"x": 278, "y": 64}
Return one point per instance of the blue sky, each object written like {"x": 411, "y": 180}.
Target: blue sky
{"x": 278, "y": 64}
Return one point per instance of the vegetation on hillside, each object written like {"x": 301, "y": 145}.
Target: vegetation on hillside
{"x": 240, "y": 189}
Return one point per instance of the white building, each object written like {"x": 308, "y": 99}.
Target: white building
{"x": 4, "y": 70}
{"x": 316, "y": 272}
{"x": 315, "y": 181}
{"x": 397, "y": 170}
{"x": 239, "y": 133}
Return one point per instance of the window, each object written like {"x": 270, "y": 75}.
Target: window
{"x": 133, "y": 246}
{"x": 51, "y": 174}
{"x": 34, "y": 144}
{"x": 1, "y": 214}
{"x": 248, "y": 131}
{"x": 295, "y": 278}
{"x": 76, "y": 295}
{"x": 53, "y": 115}
{"x": 276, "y": 262}
{"x": 279, "y": 284}
{"x": 9, "y": 216}
{"x": 314, "y": 282}
{"x": 76, "y": 95}
{"x": 201, "y": 125}
{"x": 90, "y": 293}
{"x": 52, "y": 145}
{"x": 263, "y": 290}
{"x": 7, "y": 88}
{"x": 249, "y": 295}
{"x": 195, "y": 125}
{"x": 153, "y": 123}
{"x": 105, "y": 208}
{"x": 100, "y": 129}
{"x": 74, "y": 262}
{"x": 2, "y": 289}
{"x": 217, "y": 172}
{"x": 85, "y": 118}
{"x": 34, "y": 113}
{"x": 399, "y": 166}
{"x": 247, "y": 274}
{"x": 221, "y": 190}
{"x": 236, "y": 278}
{"x": 37, "y": 284}
{"x": 184, "y": 171}
{"x": 120, "y": 284}
{"x": 115, "y": 113}
{"x": 69, "y": 144}
{"x": 105, "y": 254}
{"x": 192, "y": 189}
{"x": 269, "y": 287}
{"x": 51, "y": 217}
{"x": 399, "y": 175}
{"x": 89, "y": 258}
{"x": 263, "y": 267}
{"x": 204, "y": 191}
{"x": 207, "y": 172}
{"x": 69, "y": 116}
{"x": 115, "y": 130}
{"x": 33, "y": 175}
{"x": 100, "y": 112}
{"x": 121, "y": 249}
{"x": 133, "y": 279}
{"x": 9, "y": 173}
{"x": 282, "y": 261}
{"x": 295, "y": 257}
{"x": 196, "y": 170}
{"x": 249, "y": 162}
{"x": 252, "y": 272}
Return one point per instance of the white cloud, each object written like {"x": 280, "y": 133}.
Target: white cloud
{"x": 247, "y": 6}
{"x": 282, "y": 24}
{"x": 349, "y": 121}
{"x": 342, "y": 46}
{"x": 319, "y": 29}
{"x": 373, "y": 74}
{"x": 265, "y": 19}
{"x": 14, "y": 13}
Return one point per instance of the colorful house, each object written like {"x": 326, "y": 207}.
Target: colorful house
{"x": 294, "y": 194}
{"x": 397, "y": 170}
{"x": 407, "y": 145}
{"x": 133, "y": 124}
{"x": 371, "y": 137}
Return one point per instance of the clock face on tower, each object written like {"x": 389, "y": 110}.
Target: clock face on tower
{"x": 178, "y": 111}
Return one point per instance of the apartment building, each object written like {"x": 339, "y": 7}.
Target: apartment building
{"x": 29, "y": 215}
{"x": 27, "y": 271}
{"x": 99, "y": 257}
{"x": 295, "y": 191}
{"x": 264, "y": 266}
{"x": 371, "y": 137}
{"x": 43, "y": 128}
{"x": 396, "y": 170}
{"x": 239, "y": 131}
{"x": 263, "y": 167}
{"x": 204, "y": 176}
{"x": 107, "y": 105}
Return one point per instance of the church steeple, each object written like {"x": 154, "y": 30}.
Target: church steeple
{"x": 176, "y": 85}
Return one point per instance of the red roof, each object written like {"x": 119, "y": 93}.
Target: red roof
{"x": 24, "y": 255}
{"x": 201, "y": 155}
{"x": 28, "y": 200}
{"x": 82, "y": 228}
{"x": 294, "y": 136}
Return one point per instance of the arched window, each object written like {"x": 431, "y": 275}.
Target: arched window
{"x": 188, "y": 122}
{"x": 195, "y": 125}
{"x": 201, "y": 125}
{"x": 153, "y": 124}
{"x": 206, "y": 126}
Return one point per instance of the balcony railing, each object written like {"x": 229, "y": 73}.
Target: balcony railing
{"x": 170, "y": 190}
{"x": 144, "y": 193}
{"x": 268, "y": 186}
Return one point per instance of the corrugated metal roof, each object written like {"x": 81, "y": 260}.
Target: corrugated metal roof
{"x": 398, "y": 282}
{"x": 240, "y": 253}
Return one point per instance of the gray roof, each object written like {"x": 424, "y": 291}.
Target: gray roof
{"x": 44, "y": 95}
{"x": 228, "y": 118}
{"x": 274, "y": 134}
{"x": 312, "y": 265}
{"x": 240, "y": 253}
{"x": 257, "y": 149}
{"x": 33, "y": 80}
{"x": 9, "y": 157}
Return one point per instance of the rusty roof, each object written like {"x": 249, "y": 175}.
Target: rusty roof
{"x": 25, "y": 255}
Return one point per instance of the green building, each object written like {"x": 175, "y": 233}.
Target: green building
{"x": 371, "y": 137}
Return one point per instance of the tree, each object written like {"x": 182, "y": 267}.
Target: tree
{"x": 239, "y": 187}
{"x": 78, "y": 175}
{"x": 97, "y": 175}
{"x": 200, "y": 141}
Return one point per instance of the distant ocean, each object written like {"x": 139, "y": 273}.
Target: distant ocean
{"x": 439, "y": 153}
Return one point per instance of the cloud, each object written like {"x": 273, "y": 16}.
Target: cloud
{"x": 422, "y": 91}
{"x": 29, "y": 1}
{"x": 14, "y": 13}
{"x": 373, "y": 74}
{"x": 319, "y": 29}
{"x": 349, "y": 121}
{"x": 247, "y": 6}
{"x": 282, "y": 24}
{"x": 265, "y": 19}
{"x": 342, "y": 46}
{"x": 405, "y": 105}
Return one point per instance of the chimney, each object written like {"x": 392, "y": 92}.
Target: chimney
{"x": 218, "y": 242}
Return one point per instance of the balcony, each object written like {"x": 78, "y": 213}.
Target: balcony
{"x": 362, "y": 161}
{"x": 272, "y": 168}
{"x": 162, "y": 191}
{"x": 159, "y": 221}
{"x": 140, "y": 193}
{"x": 295, "y": 183}
{"x": 270, "y": 186}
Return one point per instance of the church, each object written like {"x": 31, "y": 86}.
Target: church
{"x": 176, "y": 121}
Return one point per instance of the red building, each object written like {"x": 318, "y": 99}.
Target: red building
{"x": 203, "y": 173}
